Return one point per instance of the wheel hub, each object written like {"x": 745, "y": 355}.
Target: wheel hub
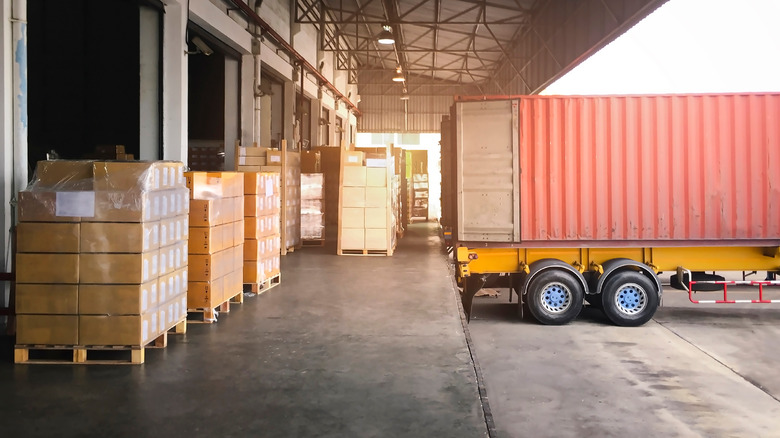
{"x": 631, "y": 299}
{"x": 556, "y": 298}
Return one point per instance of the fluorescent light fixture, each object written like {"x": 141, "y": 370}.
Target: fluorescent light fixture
{"x": 386, "y": 36}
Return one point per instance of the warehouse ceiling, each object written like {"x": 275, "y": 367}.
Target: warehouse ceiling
{"x": 466, "y": 46}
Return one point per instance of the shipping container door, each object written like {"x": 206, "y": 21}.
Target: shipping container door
{"x": 487, "y": 162}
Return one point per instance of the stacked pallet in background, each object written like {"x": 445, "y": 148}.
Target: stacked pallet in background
{"x": 330, "y": 166}
{"x": 262, "y": 244}
{"x": 312, "y": 213}
{"x": 101, "y": 258}
{"x": 288, "y": 165}
{"x": 367, "y": 220}
{"x": 216, "y": 242}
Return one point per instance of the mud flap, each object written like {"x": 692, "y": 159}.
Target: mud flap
{"x": 472, "y": 285}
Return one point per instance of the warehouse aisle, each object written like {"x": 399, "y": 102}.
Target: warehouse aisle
{"x": 344, "y": 347}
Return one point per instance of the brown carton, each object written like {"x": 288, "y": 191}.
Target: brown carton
{"x": 274, "y": 158}
{"x": 206, "y": 240}
{"x": 64, "y": 174}
{"x": 173, "y": 285}
{"x": 118, "y": 268}
{"x": 204, "y": 185}
{"x": 238, "y": 231}
{"x": 205, "y": 295}
{"x": 117, "y": 299}
{"x": 47, "y": 330}
{"x": 204, "y": 212}
{"x": 126, "y": 175}
{"x": 120, "y": 237}
{"x": 47, "y": 237}
{"x": 47, "y": 268}
{"x": 125, "y": 206}
{"x": 130, "y": 330}
{"x": 51, "y": 206}
{"x": 55, "y": 299}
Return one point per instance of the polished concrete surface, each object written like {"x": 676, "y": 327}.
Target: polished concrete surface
{"x": 344, "y": 347}
{"x": 692, "y": 371}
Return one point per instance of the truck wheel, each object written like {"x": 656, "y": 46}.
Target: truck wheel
{"x": 554, "y": 298}
{"x": 629, "y": 299}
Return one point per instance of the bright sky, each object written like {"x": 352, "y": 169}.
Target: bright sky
{"x": 687, "y": 46}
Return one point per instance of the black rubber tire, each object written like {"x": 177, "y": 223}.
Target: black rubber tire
{"x": 610, "y": 298}
{"x": 674, "y": 281}
{"x": 557, "y": 280}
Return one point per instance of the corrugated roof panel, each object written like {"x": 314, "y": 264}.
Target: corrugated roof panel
{"x": 386, "y": 113}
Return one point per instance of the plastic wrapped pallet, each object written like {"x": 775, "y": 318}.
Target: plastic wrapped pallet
{"x": 312, "y": 202}
{"x": 216, "y": 241}
{"x": 102, "y": 253}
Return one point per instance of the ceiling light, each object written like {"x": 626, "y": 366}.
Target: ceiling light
{"x": 399, "y": 76}
{"x": 386, "y": 36}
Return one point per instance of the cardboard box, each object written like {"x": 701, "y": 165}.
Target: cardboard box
{"x": 172, "y": 174}
{"x": 125, "y": 206}
{"x": 171, "y": 313}
{"x": 205, "y": 295}
{"x": 354, "y": 176}
{"x": 227, "y": 235}
{"x": 47, "y": 330}
{"x": 232, "y": 183}
{"x": 118, "y": 268}
{"x": 255, "y": 227}
{"x": 121, "y": 237}
{"x": 353, "y": 158}
{"x": 52, "y": 299}
{"x": 274, "y": 158}
{"x": 203, "y": 185}
{"x": 251, "y": 161}
{"x": 206, "y": 240}
{"x": 208, "y": 267}
{"x": 252, "y": 151}
{"x": 254, "y": 272}
{"x": 377, "y": 197}
{"x": 353, "y": 197}
{"x": 376, "y": 218}
{"x": 254, "y": 249}
{"x": 126, "y": 175}
{"x": 376, "y": 239}
{"x": 40, "y": 268}
{"x": 182, "y": 228}
{"x": 376, "y": 176}
{"x": 173, "y": 285}
{"x": 174, "y": 257}
{"x": 64, "y": 174}
{"x": 204, "y": 212}
{"x": 352, "y": 217}
{"x": 255, "y": 206}
{"x": 167, "y": 232}
{"x": 234, "y": 283}
{"x": 117, "y": 299}
{"x": 352, "y": 238}
{"x": 130, "y": 330}
{"x": 44, "y": 237}
{"x": 238, "y": 232}
{"x": 42, "y": 206}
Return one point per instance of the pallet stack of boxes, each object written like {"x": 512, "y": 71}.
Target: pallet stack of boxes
{"x": 366, "y": 222}
{"x": 262, "y": 244}
{"x": 101, "y": 253}
{"x": 216, "y": 241}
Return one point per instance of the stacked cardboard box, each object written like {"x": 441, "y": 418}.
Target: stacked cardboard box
{"x": 330, "y": 164}
{"x": 312, "y": 203}
{"x": 216, "y": 238}
{"x": 262, "y": 244}
{"x": 101, "y": 253}
{"x": 366, "y": 222}
{"x": 288, "y": 165}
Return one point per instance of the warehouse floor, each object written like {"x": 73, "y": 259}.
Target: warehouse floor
{"x": 345, "y": 346}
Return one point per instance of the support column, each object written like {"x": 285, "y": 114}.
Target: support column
{"x": 289, "y": 114}
{"x": 247, "y": 98}
{"x": 7, "y": 146}
{"x": 232, "y": 110}
{"x": 149, "y": 39}
{"x": 175, "y": 81}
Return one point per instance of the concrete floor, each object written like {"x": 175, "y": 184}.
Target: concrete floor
{"x": 344, "y": 347}
{"x": 690, "y": 372}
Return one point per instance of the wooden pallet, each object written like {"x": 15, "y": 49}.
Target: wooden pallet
{"x": 366, "y": 252}
{"x": 93, "y": 354}
{"x": 313, "y": 242}
{"x": 209, "y": 315}
{"x": 258, "y": 288}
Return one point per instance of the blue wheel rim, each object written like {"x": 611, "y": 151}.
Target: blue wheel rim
{"x": 556, "y": 297}
{"x": 631, "y": 299}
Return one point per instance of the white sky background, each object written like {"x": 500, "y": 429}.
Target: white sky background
{"x": 687, "y": 46}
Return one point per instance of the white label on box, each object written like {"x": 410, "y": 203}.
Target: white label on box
{"x": 154, "y": 265}
{"x": 156, "y": 207}
{"x": 177, "y": 265}
{"x": 269, "y": 189}
{"x": 171, "y": 289}
{"x": 154, "y": 293}
{"x": 177, "y": 285}
{"x": 184, "y": 277}
{"x": 147, "y": 208}
{"x": 181, "y": 175}
{"x": 274, "y": 159}
{"x": 146, "y": 270}
{"x": 241, "y": 160}
{"x": 156, "y": 235}
{"x": 156, "y": 178}
{"x": 163, "y": 235}
{"x": 352, "y": 159}
{"x": 145, "y": 331}
{"x": 165, "y": 177}
{"x": 75, "y": 204}
{"x": 178, "y": 230}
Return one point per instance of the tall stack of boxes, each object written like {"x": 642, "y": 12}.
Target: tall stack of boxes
{"x": 262, "y": 244}
{"x": 366, "y": 222}
{"x": 330, "y": 164}
{"x": 101, "y": 253}
{"x": 216, "y": 239}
